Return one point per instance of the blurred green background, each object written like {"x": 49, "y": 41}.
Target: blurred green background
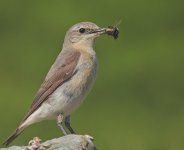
{"x": 138, "y": 99}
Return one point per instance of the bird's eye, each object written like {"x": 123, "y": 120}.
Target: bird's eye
{"x": 82, "y": 30}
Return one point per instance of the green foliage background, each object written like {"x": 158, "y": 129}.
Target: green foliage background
{"x": 138, "y": 99}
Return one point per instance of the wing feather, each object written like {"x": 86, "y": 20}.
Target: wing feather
{"x": 61, "y": 71}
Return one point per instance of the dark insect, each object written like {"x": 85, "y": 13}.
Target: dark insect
{"x": 112, "y": 31}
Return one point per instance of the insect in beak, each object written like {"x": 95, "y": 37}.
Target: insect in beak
{"x": 112, "y": 31}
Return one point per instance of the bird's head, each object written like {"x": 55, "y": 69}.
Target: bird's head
{"x": 83, "y": 33}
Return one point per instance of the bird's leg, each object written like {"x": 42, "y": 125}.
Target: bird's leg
{"x": 59, "y": 123}
{"x": 67, "y": 124}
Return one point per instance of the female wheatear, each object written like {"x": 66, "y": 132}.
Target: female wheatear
{"x": 69, "y": 79}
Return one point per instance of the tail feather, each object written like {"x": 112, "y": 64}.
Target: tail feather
{"x": 13, "y": 136}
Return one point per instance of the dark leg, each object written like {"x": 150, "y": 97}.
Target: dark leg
{"x": 67, "y": 124}
{"x": 59, "y": 123}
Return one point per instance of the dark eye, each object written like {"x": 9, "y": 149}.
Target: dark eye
{"x": 82, "y": 30}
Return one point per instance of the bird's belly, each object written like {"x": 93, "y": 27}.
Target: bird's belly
{"x": 70, "y": 95}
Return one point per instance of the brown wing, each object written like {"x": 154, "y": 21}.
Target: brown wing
{"x": 61, "y": 71}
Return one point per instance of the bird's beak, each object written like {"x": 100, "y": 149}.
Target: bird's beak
{"x": 112, "y": 31}
{"x": 98, "y": 31}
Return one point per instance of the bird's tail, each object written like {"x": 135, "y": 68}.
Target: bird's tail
{"x": 13, "y": 136}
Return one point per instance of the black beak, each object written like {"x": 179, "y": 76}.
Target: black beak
{"x": 99, "y": 30}
{"x": 112, "y": 31}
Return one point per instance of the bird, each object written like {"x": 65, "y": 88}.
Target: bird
{"x": 68, "y": 81}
